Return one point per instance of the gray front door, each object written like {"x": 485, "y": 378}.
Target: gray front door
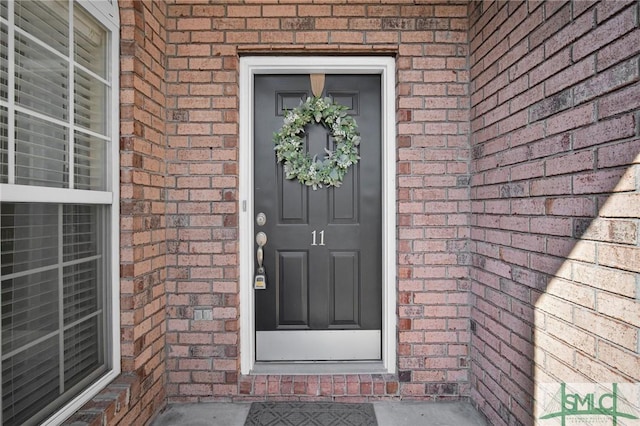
{"x": 323, "y": 253}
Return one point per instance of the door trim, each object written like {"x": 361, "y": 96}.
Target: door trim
{"x": 252, "y": 65}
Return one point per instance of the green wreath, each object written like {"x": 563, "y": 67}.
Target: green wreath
{"x": 289, "y": 145}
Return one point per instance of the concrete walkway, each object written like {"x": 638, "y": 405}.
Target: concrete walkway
{"x": 387, "y": 413}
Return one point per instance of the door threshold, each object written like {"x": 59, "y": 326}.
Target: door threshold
{"x": 313, "y": 345}
{"x": 319, "y": 367}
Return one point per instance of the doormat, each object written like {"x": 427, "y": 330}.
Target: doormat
{"x": 310, "y": 414}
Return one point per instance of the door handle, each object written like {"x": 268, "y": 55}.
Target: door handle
{"x": 260, "y": 280}
{"x": 261, "y": 240}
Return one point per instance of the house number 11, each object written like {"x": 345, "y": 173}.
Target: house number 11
{"x": 313, "y": 238}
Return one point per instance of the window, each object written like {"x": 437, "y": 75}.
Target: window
{"x": 59, "y": 206}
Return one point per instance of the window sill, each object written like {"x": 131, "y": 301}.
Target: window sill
{"x": 110, "y": 405}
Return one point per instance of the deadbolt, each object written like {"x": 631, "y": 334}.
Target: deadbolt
{"x": 261, "y": 219}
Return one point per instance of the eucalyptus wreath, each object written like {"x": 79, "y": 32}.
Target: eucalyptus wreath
{"x": 289, "y": 145}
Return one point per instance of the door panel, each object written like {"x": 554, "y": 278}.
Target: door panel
{"x": 293, "y": 207}
{"x": 345, "y": 280}
{"x": 323, "y": 254}
{"x": 294, "y": 289}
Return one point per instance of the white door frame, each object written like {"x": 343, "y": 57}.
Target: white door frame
{"x": 252, "y": 65}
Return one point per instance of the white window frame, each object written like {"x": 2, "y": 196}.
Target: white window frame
{"x": 249, "y": 67}
{"x": 106, "y": 12}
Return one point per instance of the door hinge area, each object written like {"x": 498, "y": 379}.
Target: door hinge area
{"x": 244, "y": 205}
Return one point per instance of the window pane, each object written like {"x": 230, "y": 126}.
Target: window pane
{"x": 90, "y": 98}
{"x": 80, "y": 232}
{"x": 90, "y": 42}
{"x": 90, "y": 154}
{"x": 29, "y": 236}
{"x": 82, "y": 351}
{"x": 80, "y": 291}
{"x": 4, "y": 60}
{"x": 43, "y": 272}
{"x": 41, "y": 79}
{"x": 4, "y": 146}
{"x": 46, "y": 20}
{"x": 29, "y": 309}
{"x": 3, "y": 9}
{"x": 30, "y": 381}
{"x": 41, "y": 152}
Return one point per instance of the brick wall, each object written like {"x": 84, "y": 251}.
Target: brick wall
{"x": 204, "y": 42}
{"x": 143, "y": 221}
{"x": 554, "y": 116}
{"x": 139, "y": 392}
{"x": 517, "y": 193}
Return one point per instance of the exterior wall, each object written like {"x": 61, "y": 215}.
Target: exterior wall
{"x": 531, "y": 231}
{"x": 554, "y": 115}
{"x": 142, "y": 211}
{"x": 138, "y": 393}
{"x": 204, "y": 44}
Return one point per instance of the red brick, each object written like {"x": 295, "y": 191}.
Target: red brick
{"x": 620, "y": 101}
{"x": 497, "y": 52}
{"x": 514, "y": 54}
{"x": 619, "y": 154}
{"x": 549, "y": 67}
{"x": 611, "y": 79}
{"x": 570, "y": 76}
{"x": 556, "y": 307}
{"x": 551, "y": 26}
{"x": 279, "y": 10}
{"x": 619, "y": 50}
{"x": 627, "y": 258}
{"x": 570, "y": 207}
{"x": 194, "y": 24}
{"x": 331, "y": 23}
{"x": 554, "y": 346}
{"x": 624, "y": 361}
{"x": 569, "y": 33}
{"x": 571, "y": 119}
{"x": 532, "y": 21}
{"x": 551, "y": 186}
{"x": 528, "y": 206}
{"x": 599, "y": 372}
{"x": 552, "y": 226}
{"x": 513, "y": 122}
{"x": 205, "y": 10}
{"x": 243, "y": 11}
{"x": 621, "y": 308}
{"x": 581, "y": 6}
{"x": 573, "y": 336}
{"x": 603, "y": 278}
{"x": 603, "y": 181}
{"x": 604, "y": 131}
{"x": 605, "y": 33}
{"x": 451, "y": 11}
{"x": 514, "y": 88}
{"x": 550, "y": 106}
{"x": 616, "y": 332}
{"x": 526, "y": 63}
{"x": 356, "y": 10}
{"x": 570, "y": 163}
